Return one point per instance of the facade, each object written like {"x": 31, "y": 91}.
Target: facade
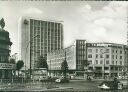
{"x": 5, "y": 43}
{"x": 55, "y": 58}
{"x": 75, "y": 57}
{"x": 107, "y": 59}
{"x": 37, "y": 37}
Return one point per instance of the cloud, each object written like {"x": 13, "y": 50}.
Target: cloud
{"x": 104, "y": 22}
{"x": 86, "y": 8}
{"x": 32, "y": 11}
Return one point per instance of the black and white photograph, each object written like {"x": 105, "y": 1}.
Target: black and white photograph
{"x": 63, "y": 46}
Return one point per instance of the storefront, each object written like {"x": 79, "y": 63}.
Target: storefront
{"x": 5, "y": 67}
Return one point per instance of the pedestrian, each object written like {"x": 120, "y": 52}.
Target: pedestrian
{"x": 115, "y": 83}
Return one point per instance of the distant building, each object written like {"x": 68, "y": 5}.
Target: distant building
{"x": 75, "y": 57}
{"x": 5, "y": 44}
{"x": 99, "y": 55}
{"x": 37, "y": 37}
{"x": 107, "y": 59}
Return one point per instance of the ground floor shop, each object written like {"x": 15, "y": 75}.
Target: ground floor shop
{"x": 7, "y": 70}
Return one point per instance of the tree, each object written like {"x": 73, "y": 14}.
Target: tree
{"x": 42, "y": 63}
{"x": 64, "y": 67}
{"x": 19, "y": 65}
{"x": 12, "y": 61}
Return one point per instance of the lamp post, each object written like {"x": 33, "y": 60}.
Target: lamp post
{"x": 30, "y": 55}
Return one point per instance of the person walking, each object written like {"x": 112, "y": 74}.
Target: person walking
{"x": 115, "y": 83}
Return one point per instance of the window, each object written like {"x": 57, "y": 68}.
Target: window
{"x": 96, "y": 55}
{"x": 90, "y": 56}
{"x": 112, "y": 68}
{"x": 107, "y": 50}
{"x": 113, "y": 62}
{"x": 101, "y": 61}
{"x": 120, "y": 57}
{"x": 116, "y": 68}
{"x": 89, "y": 50}
{"x": 120, "y": 62}
{"x": 120, "y": 52}
{"x": 101, "y": 56}
{"x": 113, "y": 51}
{"x": 96, "y": 61}
{"x": 106, "y": 68}
{"x": 116, "y": 51}
{"x": 107, "y": 56}
{"x": 90, "y": 61}
{"x": 107, "y": 61}
{"x": 112, "y": 56}
{"x": 116, "y": 62}
{"x": 116, "y": 56}
{"x": 96, "y": 50}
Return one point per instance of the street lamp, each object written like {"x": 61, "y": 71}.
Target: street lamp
{"x": 29, "y": 42}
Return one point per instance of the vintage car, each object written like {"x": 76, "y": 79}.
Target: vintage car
{"x": 62, "y": 80}
{"x": 111, "y": 85}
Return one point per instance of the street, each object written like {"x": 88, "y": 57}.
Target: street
{"x": 73, "y": 85}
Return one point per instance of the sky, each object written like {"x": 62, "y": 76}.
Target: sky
{"x": 94, "y": 21}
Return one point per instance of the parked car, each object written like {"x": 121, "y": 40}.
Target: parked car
{"x": 111, "y": 85}
{"x": 62, "y": 80}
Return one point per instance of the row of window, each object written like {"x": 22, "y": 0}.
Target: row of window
{"x": 106, "y": 56}
{"x": 81, "y": 42}
{"x": 106, "y": 68}
{"x": 106, "y": 51}
{"x": 106, "y": 62}
{"x": 3, "y": 58}
{"x": 44, "y": 23}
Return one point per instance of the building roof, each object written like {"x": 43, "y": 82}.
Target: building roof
{"x": 43, "y": 19}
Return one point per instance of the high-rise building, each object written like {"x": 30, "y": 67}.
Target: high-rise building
{"x": 37, "y": 37}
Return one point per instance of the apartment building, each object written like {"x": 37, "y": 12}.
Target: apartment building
{"x": 107, "y": 59}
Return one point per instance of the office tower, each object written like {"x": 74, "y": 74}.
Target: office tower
{"x": 37, "y": 37}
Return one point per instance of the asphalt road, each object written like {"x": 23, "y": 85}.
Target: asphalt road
{"x": 73, "y": 85}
